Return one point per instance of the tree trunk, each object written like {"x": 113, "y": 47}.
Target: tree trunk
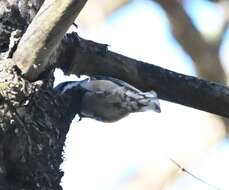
{"x": 34, "y": 120}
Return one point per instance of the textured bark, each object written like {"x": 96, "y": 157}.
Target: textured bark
{"x": 34, "y": 119}
{"x": 15, "y": 15}
{"x": 81, "y": 56}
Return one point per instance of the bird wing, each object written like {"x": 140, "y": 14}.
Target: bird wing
{"x": 116, "y": 81}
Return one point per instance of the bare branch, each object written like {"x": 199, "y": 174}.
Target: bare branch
{"x": 44, "y": 34}
{"x": 225, "y": 7}
{"x": 204, "y": 55}
{"x": 81, "y": 56}
{"x": 221, "y": 35}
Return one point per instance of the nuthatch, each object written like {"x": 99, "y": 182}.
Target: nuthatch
{"x": 108, "y": 99}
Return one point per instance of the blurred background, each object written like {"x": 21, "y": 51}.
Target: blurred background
{"x": 190, "y": 37}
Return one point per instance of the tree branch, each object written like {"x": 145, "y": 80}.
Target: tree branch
{"x": 44, "y": 34}
{"x": 222, "y": 34}
{"x": 204, "y": 54}
{"x": 81, "y": 56}
{"x": 219, "y": 40}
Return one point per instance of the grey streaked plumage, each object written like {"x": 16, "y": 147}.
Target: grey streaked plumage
{"x": 107, "y": 99}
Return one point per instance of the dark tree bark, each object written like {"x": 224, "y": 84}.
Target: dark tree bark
{"x": 34, "y": 118}
{"x": 34, "y": 122}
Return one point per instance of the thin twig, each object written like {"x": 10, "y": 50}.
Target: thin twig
{"x": 193, "y": 176}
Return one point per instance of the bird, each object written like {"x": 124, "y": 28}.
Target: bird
{"x": 108, "y": 99}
